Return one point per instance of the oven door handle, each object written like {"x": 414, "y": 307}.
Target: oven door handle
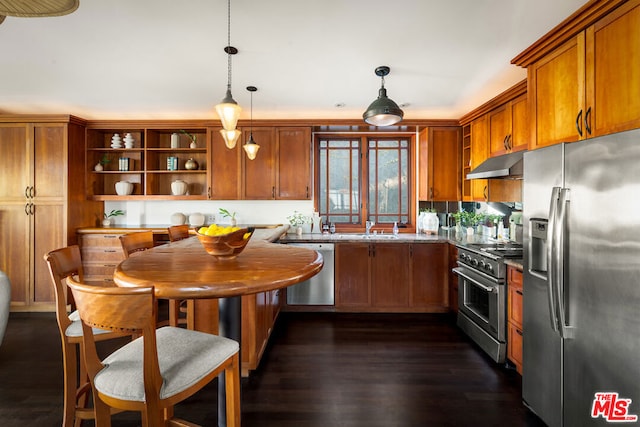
{"x": 460, "y": 272}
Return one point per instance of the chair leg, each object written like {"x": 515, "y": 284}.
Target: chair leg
{"x": 69, "y": 357}
{"x": 102, "y": 411}
{"x": 232, "y": 387}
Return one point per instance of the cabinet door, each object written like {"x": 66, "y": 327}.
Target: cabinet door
{"x": 499, "y": 130}
{"x": 14, "y": 249}
{"x": 557, "y": 95}
{"x": 49, "y": 161}
{"x": 613, "y": 72}
{"x": 14, "y": 163}
{"x": 390, "y": 275}
{"x": 479, "y": 153}
{"x": 259, "y": 174}
{"x": 429, "y": 276}
{"x": 352, "y": 275}
{"x": 48, "y": 233}
{"x": 439, "y": 164}
{"x": 520, "y": 125}
{"x": 294, "y": 163}
{"x": 225, "y": 168}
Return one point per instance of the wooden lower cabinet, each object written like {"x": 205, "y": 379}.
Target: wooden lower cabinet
{"x": 515, "y": 332}
{"x": 391, "y": 277}
{"x": 259, "y": 313}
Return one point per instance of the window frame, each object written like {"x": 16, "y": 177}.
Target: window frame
{"x": 363, "y": 163}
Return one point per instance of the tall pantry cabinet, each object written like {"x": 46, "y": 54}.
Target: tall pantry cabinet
{"x": 41, "y": 200}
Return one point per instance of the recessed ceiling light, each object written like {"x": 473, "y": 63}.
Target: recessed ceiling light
{"x": 340, "y": 105}
{"x": 405, "y": 104}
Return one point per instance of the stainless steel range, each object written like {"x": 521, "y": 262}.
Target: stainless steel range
{"x": 482, "y": 294}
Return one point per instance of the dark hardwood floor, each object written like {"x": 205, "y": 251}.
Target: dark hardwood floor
{"x": 320, "y": 370}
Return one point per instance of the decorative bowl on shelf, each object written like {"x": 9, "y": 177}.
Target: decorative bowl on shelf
{"x": 124, "y": 188}
{"x": 225, "y": 246}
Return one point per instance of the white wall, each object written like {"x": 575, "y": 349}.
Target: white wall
{"x": 254, "y": 212}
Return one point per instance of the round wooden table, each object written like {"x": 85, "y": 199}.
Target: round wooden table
{"x": 183, "y": 270}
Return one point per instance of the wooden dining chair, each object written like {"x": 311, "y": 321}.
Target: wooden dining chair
{"x": 176, "y": 307}
{"x": 178, "y": 232}
{"x": 156, "y": 371}
{"x": 64, "y": 263}
{"x": 136, "y": 242}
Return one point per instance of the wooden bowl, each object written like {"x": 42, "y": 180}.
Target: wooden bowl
{"x": 226, "y": 246}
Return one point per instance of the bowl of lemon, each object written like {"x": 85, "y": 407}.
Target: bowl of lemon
{"x": 224, "y": 242}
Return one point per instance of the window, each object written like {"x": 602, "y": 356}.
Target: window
{"x": 351, "y": 191}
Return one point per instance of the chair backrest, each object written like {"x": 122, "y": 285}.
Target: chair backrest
{"x": 178, "y": 232}
{"x": 136, "y": 242}
{"x": 64, "y": 263}
{"x": 118, "y": 309}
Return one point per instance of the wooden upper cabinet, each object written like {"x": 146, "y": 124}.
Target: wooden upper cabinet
{"x": 439, "y": 177}
{"x": 587, "y": 86}
{"x": 556, "y": 99}
{"x": 479, "y": 153}
{"x": 613, "y": 72}
{"x": 225, "y": 168}
{"x": 294, "y": 163}
{"x": 282, "y": 169}
{"x": 508, "y": 127}
{"x": 259, "y": 174}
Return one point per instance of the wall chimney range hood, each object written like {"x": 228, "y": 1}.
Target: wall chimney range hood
{"x": 505, "y": 166}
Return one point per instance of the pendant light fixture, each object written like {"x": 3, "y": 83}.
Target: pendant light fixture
{"x": 251, "y": 147}
{"x": 383, "y": 111}
{"x": 228, "y": 110}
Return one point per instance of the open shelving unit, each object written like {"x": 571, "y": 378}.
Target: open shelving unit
{"x": 147, "y": 166}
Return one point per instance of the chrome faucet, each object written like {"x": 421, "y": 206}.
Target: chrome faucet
{"x": 369, "y": 225}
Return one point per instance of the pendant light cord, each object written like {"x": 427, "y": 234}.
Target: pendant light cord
{"x": 228, "y": 45}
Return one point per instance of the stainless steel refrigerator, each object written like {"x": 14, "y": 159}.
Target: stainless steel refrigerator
{"x": 581, "y": 363}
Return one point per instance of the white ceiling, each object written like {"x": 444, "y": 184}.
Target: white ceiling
{"x": 161, "y": 59}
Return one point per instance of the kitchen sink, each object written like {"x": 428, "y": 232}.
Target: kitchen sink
{"x": 368, "y": 236}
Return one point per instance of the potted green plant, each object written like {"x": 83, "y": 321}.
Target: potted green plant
{"x": 226, "y": 214}
{"x": 106, "y": 220}
{"x": 102, "y": 163}
{"x": 193, "y": 138}
{"x": 297, "y": 221}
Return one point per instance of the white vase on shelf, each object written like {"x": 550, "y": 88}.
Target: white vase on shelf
{"x": 179, "y": 187}
{"x": 124, "y": 188}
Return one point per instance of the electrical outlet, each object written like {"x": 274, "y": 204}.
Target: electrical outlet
{"x": 211, "y": 218}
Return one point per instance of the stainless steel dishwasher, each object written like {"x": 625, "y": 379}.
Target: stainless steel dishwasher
{"x": 319, "y": 289}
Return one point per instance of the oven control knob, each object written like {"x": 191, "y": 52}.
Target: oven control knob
{"x": 483, "y": 264}
{"x": 488, "y": 267}
{"x": 474, "y": 262}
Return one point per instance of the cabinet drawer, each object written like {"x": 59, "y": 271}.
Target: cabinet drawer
{"x": 514, "y": 305}
{"x": 514, "y": 346}
{"x": 99, "y": 269}
{"x": 100, "y": 240}
{"x": 101, "y": 254}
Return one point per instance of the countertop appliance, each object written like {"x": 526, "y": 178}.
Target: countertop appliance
{"x": 582, "y": 281}
{"x": 318, "y": 290}
{"x": 482, "y": 294}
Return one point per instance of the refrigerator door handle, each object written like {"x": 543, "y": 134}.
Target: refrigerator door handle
{"x": 566, "y": 331}
{"x": 551, "y": 259}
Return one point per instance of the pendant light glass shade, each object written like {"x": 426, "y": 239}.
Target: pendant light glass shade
{"x": 229, "y": 112}
{"x": 383, "y": 111}
{"x": 230, "y": 137}
{"x": 251, "y": 147}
